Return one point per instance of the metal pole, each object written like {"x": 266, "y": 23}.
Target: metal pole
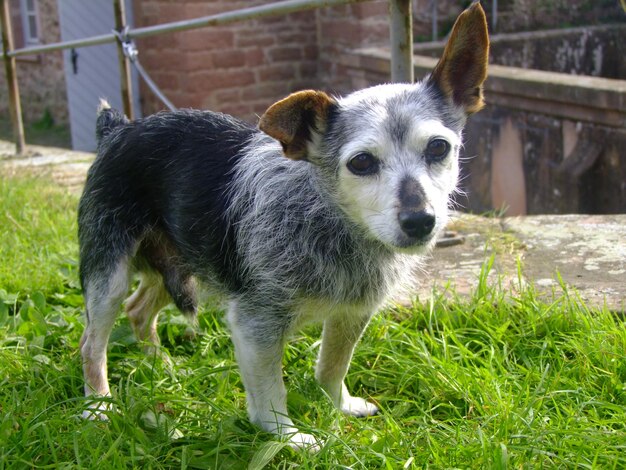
{"x": 401, "y": 29}
{"x": 15, "y": 106}
{"x": 261, "y": 11}
{"x": 494, "y": 15}
{"x": 435, "y": 19}
{"x": 124, "y": 64}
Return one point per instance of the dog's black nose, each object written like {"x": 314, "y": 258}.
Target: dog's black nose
{"x": 416, "y": 224}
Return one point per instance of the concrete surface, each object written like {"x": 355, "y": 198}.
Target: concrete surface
{"x": 67, "y": 167}
{"x": 588, "y": 252}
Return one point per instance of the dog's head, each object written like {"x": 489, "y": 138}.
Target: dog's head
{"x": 389, "y": 154}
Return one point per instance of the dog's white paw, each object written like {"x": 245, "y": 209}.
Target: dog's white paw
{"x": 303, "y": 441}
{"x": 98, "y": 411}
{"x": 355, "y": 406}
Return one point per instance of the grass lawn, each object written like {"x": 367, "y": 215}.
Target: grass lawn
{"x": 499, "y": 380}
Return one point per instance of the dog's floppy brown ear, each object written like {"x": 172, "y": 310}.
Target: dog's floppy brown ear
{"x": 462, "y": 69}
{"x": 292, "y": 120}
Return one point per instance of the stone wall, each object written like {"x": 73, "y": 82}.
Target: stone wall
{"x": 531, "y": 15}
{"x": 591, "y": 50}
{"x": 41, "y": 79}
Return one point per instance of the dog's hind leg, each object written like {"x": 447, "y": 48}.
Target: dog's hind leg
{"x": 259, "y": 351}
{"x": 143, "y": 307}
{"x": 104, "y": 293}
{"x": 339, "y": 337}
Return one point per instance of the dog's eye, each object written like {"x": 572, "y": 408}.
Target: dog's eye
{"x": 363, "y": 164}
{"x": 437, "y": 149}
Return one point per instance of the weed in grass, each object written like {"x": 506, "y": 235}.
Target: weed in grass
{"x": 499, "y": 380}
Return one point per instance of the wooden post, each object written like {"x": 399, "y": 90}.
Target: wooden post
{"x": 401, "y": 29}
{"x": 124, "y": 63}
{"x": 15, "y": 106}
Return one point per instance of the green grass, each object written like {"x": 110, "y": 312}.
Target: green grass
{"x": 499, "y": 380}
{"x": 38, "y": 237}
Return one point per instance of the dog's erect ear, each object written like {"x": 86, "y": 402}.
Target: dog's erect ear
{"x": 292, "y": 120}
{"x": 462, "y": 69}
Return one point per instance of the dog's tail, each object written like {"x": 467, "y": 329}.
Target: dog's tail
{"x": 108, "y": 119}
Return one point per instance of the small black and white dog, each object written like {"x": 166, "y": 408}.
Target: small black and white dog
{"x": 311, "y": 218}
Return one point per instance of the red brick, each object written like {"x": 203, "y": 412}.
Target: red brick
{"x": 295, "y": 38}
{"x": 261, "y": 40}
{"x": 199, "y": 9}
{"x": 270, "y": 21}
{"x": 227, "y": 96}
{"x": 310, "y": 52}
{"x": 198, "y": 60}
{"x": 308, "y": 70}
{"x": 260, "y": 107}
{"x": 268, "y": 90}
{"x": 207, "y": 38}
{"x": 217, "y": 79}
{"x": 285, "y": 53}
{"x": 169, "y": 59}
{"x": 344, "y": 30}
{"x": 305, "y": 84}
{"x": 372, "y": 9}
{"x": 255, "y": 57}
{"x": 228, "y": 59}
{"x": 171, "y": 12}
{"x": 376, "y": 33}
{"x": 189, "y": 100}
{"x": 241, "y": 110}
{"x": 156, "y": 43}
{"x": 274, "y": 72}
{"x": 166, "y": 80}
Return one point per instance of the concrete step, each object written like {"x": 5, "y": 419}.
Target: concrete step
{"x": 585, "y": 252}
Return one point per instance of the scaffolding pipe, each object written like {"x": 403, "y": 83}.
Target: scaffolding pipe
{"x": 261, "y": 11}
{"x": 401, "y": 32}
{"x": 15, "y": 107}
{"x": 494, "y": 16}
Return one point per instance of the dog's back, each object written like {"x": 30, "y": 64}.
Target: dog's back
{"x": 155, "y": 187}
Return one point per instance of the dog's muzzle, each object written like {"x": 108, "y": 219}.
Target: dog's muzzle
{"x": 417, "y": 225}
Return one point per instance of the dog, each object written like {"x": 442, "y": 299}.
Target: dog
{"x": 311, "y": 217}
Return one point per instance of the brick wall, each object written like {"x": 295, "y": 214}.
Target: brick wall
{"x": 244, "y": 67}
{"x": 344, "y": 28}
{"x": 41, "y": 79}
{"x": 239, "y": 69}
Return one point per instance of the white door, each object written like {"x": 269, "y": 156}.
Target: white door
{"x": 91, "y": 72}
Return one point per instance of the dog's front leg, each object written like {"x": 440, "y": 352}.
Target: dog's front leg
{"x": 259, "y": 351}
{"x": 339, "y": 337}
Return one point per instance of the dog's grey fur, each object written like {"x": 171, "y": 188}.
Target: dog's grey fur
{"x": 198, "y": 196}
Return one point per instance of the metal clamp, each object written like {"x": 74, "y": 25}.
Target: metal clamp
{"x": 128, "y": 46}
